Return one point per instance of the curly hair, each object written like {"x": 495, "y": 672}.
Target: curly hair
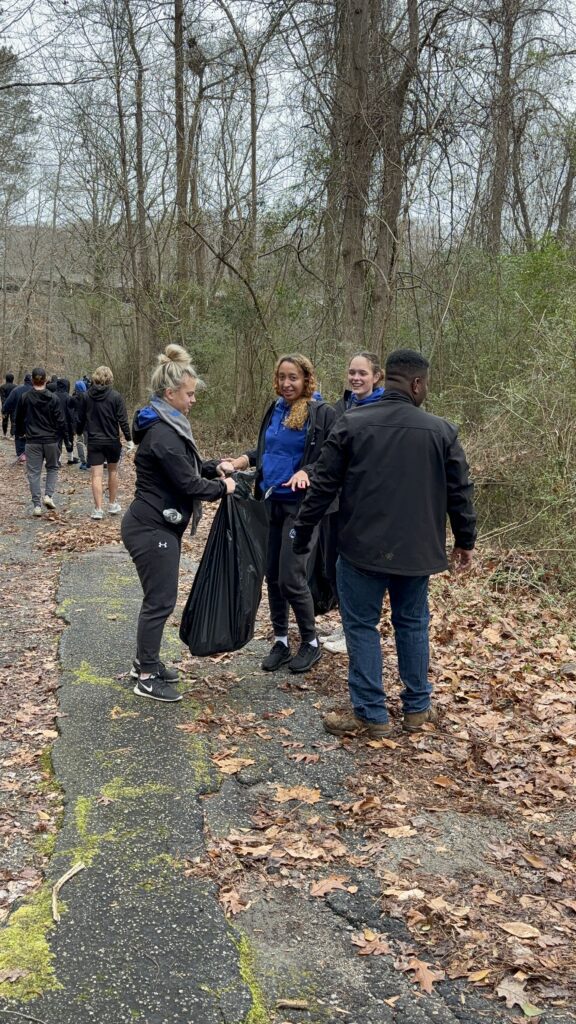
{"x": 299, "y": 410}
{"x": 103, "y": 375}
{"x": 173, "y": 366}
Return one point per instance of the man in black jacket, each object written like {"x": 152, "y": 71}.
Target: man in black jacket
{"x": 10, "y": 408}
{"x": 5, "y": 390}
{"x": 39, "y": 418}
{"x": 400, "y": 471}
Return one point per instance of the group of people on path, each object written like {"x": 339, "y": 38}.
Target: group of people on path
{"x": 389, "y": 472}
{"x": 44, "y": 417}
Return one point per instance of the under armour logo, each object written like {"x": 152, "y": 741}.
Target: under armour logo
{"x": 162, "y": 545}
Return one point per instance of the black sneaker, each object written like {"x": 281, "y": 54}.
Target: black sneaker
{"x": 280, "y": 654}
{"x": 306, "y": 657}
{"x": 169, "y": 675}
{"x": 157, "y": 689}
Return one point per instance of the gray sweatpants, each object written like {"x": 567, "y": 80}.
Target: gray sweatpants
{"x": 36, "y": 454}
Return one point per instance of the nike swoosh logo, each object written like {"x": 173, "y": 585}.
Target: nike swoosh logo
{"x": 144, "y": 687}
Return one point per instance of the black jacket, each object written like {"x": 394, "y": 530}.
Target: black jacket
{"x": 401, "y": 471}
{"x": 5, "y": 390}
{"x": 170, "y": 475}
{"x": 11, "y": 404}
{"x": 62, "y": 393}
{"x": 39, "y": 418}
{"x": 321, "y": 418}
{"x": 102, "y": 413}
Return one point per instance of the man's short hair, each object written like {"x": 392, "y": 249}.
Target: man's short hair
{"x": 407, "y": 364}
{"x": 9, "y": 378}
{"x": 38, "y": 375}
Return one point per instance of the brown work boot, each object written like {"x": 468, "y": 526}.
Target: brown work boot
{"x": 340, "y": 723}
{"x": 414, "y": 721}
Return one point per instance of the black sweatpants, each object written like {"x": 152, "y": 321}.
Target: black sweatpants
{"x": 156, "y": 554}
{"x": 287, "y": 574}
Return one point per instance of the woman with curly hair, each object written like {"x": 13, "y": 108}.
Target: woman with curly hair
{"x": 291, "y": 435}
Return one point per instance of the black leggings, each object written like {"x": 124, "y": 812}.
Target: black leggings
{"x": 286, "y": 574}
{"x": 156, "y": 554}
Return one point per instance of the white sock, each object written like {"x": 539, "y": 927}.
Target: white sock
{"x": 282, "y": 640}
{"x": 314, "y": 642}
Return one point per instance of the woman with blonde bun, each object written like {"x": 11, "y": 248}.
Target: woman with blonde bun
{"x": 291, "y": 435}
{"x": 171, "y": 481}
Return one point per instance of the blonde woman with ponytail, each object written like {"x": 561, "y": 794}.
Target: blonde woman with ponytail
{"x": 291, "y": 435}
{"x": 171, "y": 481}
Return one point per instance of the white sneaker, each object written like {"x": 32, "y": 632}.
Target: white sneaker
{"x": 49, "y": 501}
{"x": 336, "y": 646}
{"x": 37, "y": 510}
{"x": 97, "y": 514}
{"x": 114, "y": 508}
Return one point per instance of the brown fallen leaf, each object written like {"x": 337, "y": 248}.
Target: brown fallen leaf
{"x": 520, "y": 929}
{"x": 326, "y": 885}
{"x": 12, "y": 974}
{"x": 232, "y": 765}
{"x": 300, "y": 793}
{"x": 445, "y": 782}
{"x": 424, "y": 975}
{"x": 233, "y": 903}
{"x": 400, "y": 832}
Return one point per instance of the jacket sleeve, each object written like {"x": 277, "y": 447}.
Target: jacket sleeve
{"x": 59, "y": 420}
{"x": 326, "y": 481}
{"x": 181, "y": 472}
{"x": 123, "y": 417}
{"x": 10, "y": 405}
{"x": 19, "y": 415}
{"x": 80, "y": 414}
{"x": 326, "y": 417}
{"x": 461, "y": 511}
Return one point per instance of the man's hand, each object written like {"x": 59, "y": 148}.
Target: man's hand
{"x": 130, "y": 446}
{"x": 230, "y": 485}
{"x": 298, "y": 481}
{"x": 461, "y": 559}
{"x": 225, "y": 468}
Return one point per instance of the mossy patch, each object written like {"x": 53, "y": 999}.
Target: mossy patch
{"x": 258, "y": 1013}
{"x": 84, "y": 675}
{"x": 118, "y": 790}
{"x": 24, "y": 947}
{"x": 89, "y": 842}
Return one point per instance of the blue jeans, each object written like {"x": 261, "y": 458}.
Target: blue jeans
{"x": 361, "y": 596}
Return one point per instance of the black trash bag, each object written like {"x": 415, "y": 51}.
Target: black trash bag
{"x": 220, "y": 612}
{"x": 322, "y": 566}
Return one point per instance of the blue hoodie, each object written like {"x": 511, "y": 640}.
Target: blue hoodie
{"x": 283, "y": 453}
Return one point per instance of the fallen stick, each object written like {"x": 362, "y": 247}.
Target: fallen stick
{"x": 292, "y": 1004}
{"x": 58, "y": 885}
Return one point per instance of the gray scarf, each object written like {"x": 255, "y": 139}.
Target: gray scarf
{"x": 170, "y": 415}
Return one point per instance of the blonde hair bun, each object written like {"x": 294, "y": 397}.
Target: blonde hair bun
{"x": 173, "y": 367}
{"x": 174, "y": 354}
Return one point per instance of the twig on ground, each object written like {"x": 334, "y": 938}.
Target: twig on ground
{"x": 58, "y": 885}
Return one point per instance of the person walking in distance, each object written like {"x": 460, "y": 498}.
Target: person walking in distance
{"x": 40, "y": 420}
{"x": 399, "y": 472}
{"x": 9, "y": 409}
{"x": 102, "y": 414}
{"x": 5, "y": 390}
{"x": 171, "y": 481}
